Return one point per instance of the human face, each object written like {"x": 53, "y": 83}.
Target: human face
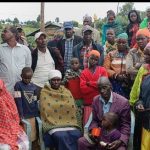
{"x": 68, "y": 32}
{"x": 105, "y": 90}
{"x": 110, "y": 19}
{"x": 6, "y": 34}
{"x": 106, "y": 124}
{"x": 41, "y": 41}
{"x": 93, "y": 60}
{"x": 75, "y": 64}
{"x": 87, "y": 36}
{"x": 87, "y": 22}
{"x": 110, "y": 35}
{"x": 133, "y": 17}
{"x": 122, "y": 44}
{"x": 148, "y": 13}
{"x": 55, "y": 83}
{"x": 26, "y": 77}
{"x": 147, "y": 55}
{"x": 142, "y": 41}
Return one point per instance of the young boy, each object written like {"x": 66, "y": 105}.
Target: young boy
{"x": 71, "y": 81}
{"x": 26, "y": 99}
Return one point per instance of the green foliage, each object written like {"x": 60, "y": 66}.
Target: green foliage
{"x": 38, "y": 18}
{"x": 15, "y": 21}
{"x": 75, "y": 23}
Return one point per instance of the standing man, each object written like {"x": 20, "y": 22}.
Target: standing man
{"x": 108, "y": 101}
{"x": 13, "y": 58}
{"x": 66, "y": 43}
{"x": 87, "y": 20}
{"x": 82, "y": 50}
{"x": 42, "y": 61}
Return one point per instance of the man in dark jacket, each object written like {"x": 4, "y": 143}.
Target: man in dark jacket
{"x": 82, "y": 49}
{"x": 65, "y": 47}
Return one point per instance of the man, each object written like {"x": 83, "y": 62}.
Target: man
{"x": 13, "y": 58}
{"x": 42, "y": 61}
{"x": 82, "y": 50}
{"x": 65, "y": 45}
{"x": 87, "y": 20}
{"x": 109, "y": 101}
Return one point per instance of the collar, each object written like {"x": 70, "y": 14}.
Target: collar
{"x": 47, "y": 51}
{"x": 64, "y": 37}
{"x": 6, "y": 45}
{"x": 110, "y": 99}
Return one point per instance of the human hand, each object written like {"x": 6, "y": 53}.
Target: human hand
{"x": 140, "y": 108}
{"x": 93, "y": 138}
{"x": 115, "y": 144}
{"x": 138, "y": 65}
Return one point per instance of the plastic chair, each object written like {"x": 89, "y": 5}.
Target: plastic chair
{"x": 28, "y": 132}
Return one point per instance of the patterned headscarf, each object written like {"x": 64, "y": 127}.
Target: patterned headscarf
{"x": 144, "y": 32}
{"x": 122, "y": 36}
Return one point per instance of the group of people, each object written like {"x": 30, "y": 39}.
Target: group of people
{"x": 66, "y": 80}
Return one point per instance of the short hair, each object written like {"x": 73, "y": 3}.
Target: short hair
{"x": 26, "y": 70}
{"x": 74, "y": 58}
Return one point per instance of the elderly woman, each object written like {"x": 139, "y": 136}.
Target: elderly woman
{"x": 61, "y": 125}
{"x": 12, "y": 136}
{"x": 115, "y": 64}
{"x": 135, "y": 57}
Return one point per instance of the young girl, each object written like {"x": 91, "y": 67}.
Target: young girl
{"x": 88, "y": 82}
{"x": 26, "y": 100}
{"x": 71, "y": 81}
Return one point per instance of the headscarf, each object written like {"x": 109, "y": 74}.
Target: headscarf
{"x": 54, "y": 73}
{"x": 144, "y": 32}
{"x": 9, "y": 118}
{"x": 122, "y": 36}
{"x": 148, "y": 45}
{"x": 94, "y": 52}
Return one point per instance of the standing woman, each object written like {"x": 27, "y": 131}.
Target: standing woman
{"x": 133, "y": 27}
{"x": 115, "y": 64}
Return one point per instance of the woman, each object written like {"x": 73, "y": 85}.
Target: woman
{"x": 115, "y": 64}
{"x": 88, "y": 82}
{"x": 59, "y": 115}
{"x": 11, "y": 133}
{"x": 133, "y": 27}
{"x": 135, "y": 57}
{"x": 111, "y": 23}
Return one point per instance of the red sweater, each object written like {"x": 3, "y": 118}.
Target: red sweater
{"x": 89, "y": 92}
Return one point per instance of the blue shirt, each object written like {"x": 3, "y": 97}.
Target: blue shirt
{"x": 106, "y": 106}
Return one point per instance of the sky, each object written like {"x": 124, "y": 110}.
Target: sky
{"x": 66, "y": 11}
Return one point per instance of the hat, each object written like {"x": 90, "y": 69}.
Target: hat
{"x": 37, "y": 35}
{"x": 54, "y": 73}
{"x": 94, "y": 52}
{"x": 68, "y": 24}
{"x": 143, "y": 31}
{"x": 87, "y": 28}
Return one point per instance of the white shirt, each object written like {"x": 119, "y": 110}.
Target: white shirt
{"x": 45, "y": 63}
{"x": 12, "y": 61}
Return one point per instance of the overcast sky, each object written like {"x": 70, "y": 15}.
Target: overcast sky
{"x": 64, "y": 10}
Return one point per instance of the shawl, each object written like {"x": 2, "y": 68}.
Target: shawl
{"x": 9, "y": 118}
{"x": 110, "y": 47}
{"x": 57, "y": 108}
{"x": 135, "y": 91}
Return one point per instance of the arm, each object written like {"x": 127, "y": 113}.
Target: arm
{"x": 107, "y": 65}
{"x": 28, "y": 58}
{"x": 18, "y": 100}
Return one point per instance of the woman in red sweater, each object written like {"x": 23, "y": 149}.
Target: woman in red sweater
{"x": 88, "y": 82}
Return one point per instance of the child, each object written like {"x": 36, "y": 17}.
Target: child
{"x": 108, "y": 133}
{"x": 26, "y": 99}
{"x": 88, "y": 82}
{"x": 71, "y": 81}
{"x": 110, "y": 43}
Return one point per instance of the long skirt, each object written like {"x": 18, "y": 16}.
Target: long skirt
{"x": 62, "y": 140}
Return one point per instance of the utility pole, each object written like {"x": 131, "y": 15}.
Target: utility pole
{"x": 42, "y": 24}
{"x": 117, "y": 8}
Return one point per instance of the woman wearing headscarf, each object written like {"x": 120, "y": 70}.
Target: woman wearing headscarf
{"x": 133, "y": 27}
{"x": 115, "y": 64}
{"x": 88, "y": 82}
{"x": 135, "y": 57}
{"x": 111, "y": 23}
{"x": 59, "y": 115}
{"x": 11, "y": 133}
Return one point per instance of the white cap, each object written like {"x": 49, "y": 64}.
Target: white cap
{"x": 54, "y": 73}
{"x": 37, "y": 35}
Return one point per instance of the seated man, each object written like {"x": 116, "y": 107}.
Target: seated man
{"x": 109, "y": 101}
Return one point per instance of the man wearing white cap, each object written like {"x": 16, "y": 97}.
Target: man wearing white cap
{"x": 42, "y": 61}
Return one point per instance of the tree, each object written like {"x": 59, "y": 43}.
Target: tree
{"x": 75, "y": 23}
{"x": 15, "y": 21}
{"x": 38, "y": 18}
{"x": 57, "y": 19}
